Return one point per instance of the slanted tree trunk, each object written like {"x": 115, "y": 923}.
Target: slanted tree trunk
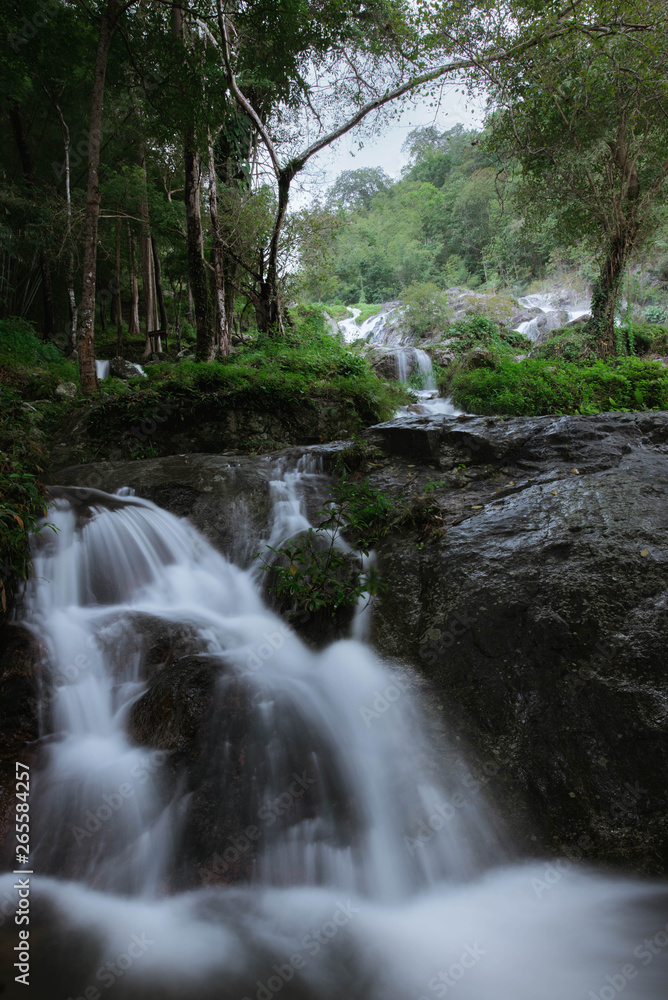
{"x": 117, "y": 293}
{"x": 133, "y": 326}
{"x": 86, "y": 338}
{"x": 29, "y": 174}
{"x": 218, "y": 261}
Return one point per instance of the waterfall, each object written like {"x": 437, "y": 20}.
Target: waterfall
{"x": 103, "y": 368}
{"x": 426, "y": 369}
{"x": 551, "y": 314}
{"x": 358, "y": 865}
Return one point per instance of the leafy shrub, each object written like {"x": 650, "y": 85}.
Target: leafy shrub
{"x": 538, "y": 386}
{"x": 655, "y": 314}
{"x": 576, "y": 344}
{"x": 31, "y": 365}
{"x": 22, "y": 505}
{"x": 426, "y": 310}
{"x": 314, "y": 572}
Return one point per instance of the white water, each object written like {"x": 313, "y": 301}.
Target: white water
{"x": 428, "y": 400}
{"x": 103, "y": 369}
{"x": 372, "y": 329}
{"x": 552, "y": 311}
{"x": 373, "y": 876}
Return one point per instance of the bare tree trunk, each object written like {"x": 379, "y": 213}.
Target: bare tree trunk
{"x": 133, "y": 326}
{"x": 199, "y": 284}
{"x": 191, "y": 305}
{"x": 158, "y": 286}
{"x": 29, "y": 174}
{"x": 178, "y": 317}
{"x": 148, "y": 273}
{"x": 71, "y": 296}
{"x": 223, "y": 335}
{"x": 117, "y": 293}
{"x": 86, "y": 339}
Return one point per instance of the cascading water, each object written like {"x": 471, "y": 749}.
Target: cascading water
{"x": 103, "y": 369}
{"x": 553, "y": 314}
{"x": 361, "y": 871}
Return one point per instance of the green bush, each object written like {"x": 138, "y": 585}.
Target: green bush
{"x": 31, "y": 365}
{"x": 576, "y": 344}
{"x": 537, "y": 386}
{"x": 426, "y": 309}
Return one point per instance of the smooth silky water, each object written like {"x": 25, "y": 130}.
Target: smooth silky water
{"x": 369, "y": 873}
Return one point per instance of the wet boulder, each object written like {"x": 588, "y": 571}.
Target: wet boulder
{"x": 538, "y": 610}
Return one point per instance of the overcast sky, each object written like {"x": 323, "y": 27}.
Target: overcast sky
{"x": 385, "y": 150}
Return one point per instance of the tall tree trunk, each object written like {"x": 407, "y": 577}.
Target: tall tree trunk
{"x": 191, "y": 305}
{"x": 133, "y": 326}
{"x": 148, "y": 272}
{"x": 117, "y": 293}
{"x": 86, "y": 339}
{"x": 178, "y": 317}
{"x": 158, "y": 286}
{"x": 223, "y": 334}
{"x": 197, "y": 271}
{"x": 199, "y": 283}
{"x": 71, "y": 295}
{"x": 269, "y": 310}
{"x": 230, "y": 295}
{"x": 29, "y": 174}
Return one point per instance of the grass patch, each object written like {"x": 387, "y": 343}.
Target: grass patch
{"x": 540, "y": 386}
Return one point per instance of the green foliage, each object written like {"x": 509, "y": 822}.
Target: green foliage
{"x": 579, "y": 344}
{"x": 22, "y": 505}
{"x": 31, "y": 365}
{"x": 426, "y": 311}
{"x": 315, "y": 572}
{"x": 655, "y": 314}
{"x": 535, "y": 386}
{"x": 354, "y": 456}
{"x": 308, "y": 371}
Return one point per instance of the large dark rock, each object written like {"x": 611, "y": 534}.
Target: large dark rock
{"x": 538, "y": 608}
{"x": 120, "y": 368}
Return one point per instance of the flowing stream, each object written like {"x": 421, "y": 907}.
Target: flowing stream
{"x": 358, "y": 866}
{"x": 553, "y": 314}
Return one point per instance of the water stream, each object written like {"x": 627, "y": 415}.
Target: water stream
{"x": 553, "y": 314}
{"x": 361, "y": 868}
